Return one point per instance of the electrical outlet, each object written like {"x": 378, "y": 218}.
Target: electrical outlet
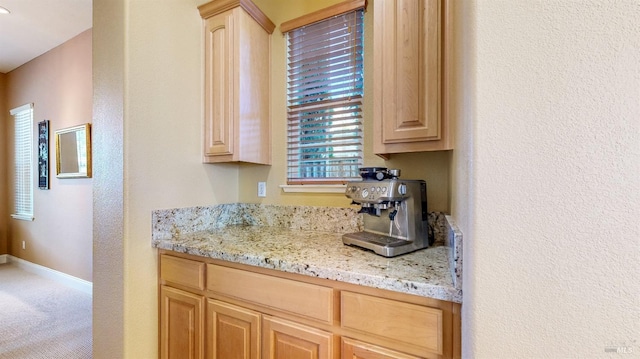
{"x": 262, "y": 189}
{"x": 24, "y": 245}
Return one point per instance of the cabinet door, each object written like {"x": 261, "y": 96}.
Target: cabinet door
{"x": 407, "y": 75}
{"x": 232, "y": 332}
{"x": 353, "y": 349}
{"x": 283, "y": 339}
{"x": 181, "y": 324}
{"x": 219, "y": 68}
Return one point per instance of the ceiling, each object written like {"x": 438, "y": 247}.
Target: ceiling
{"x": 36, "y": 26}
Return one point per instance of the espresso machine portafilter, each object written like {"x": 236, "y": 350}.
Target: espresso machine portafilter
{"x": 395, "y": 212}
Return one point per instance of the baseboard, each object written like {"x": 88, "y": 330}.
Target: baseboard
{"x": 63, "y": 278}
{"x": 4, "y": 258}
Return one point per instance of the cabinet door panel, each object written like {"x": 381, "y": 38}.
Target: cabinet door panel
{"x": 181, "y": 324}
{"x": 232, "y": 332}
{"x": 219, "y": 129}
{"x": 408, "y": 87}
{"x": 412, "y": 71}
{"x": 287, "y": 340}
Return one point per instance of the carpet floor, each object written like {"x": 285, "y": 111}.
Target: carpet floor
{"x": 41, "y": 318}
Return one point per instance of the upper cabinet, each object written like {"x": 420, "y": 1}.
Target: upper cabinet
{"x": 237, "y": 49}
{"x": 411, "y": 42}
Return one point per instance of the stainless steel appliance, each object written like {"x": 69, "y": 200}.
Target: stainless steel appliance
{"x": 395, "y": 212}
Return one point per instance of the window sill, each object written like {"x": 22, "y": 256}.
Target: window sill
{"x": 22, "y": 217}
{"x": 313, "y": 188}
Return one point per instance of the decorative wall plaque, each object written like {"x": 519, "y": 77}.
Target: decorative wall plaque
{"x": 43, "y": 154}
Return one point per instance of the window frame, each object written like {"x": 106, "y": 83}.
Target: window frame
{"x": 297, "y": 183}
{"x": 23, "y": 190}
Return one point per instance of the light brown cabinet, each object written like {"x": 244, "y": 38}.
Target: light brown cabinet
{"x": 181, "y": 310}
{"x": 237, "y": 49}
{"x": 283, "y": 339}
{"x": 259, "y": 313}
{"x": 232, "y": 332}
{"x": 410, "y": 89}
{"x": 354, "y": 349}
{"x": 410, "y": 325}
{"x": 181, "y": 324}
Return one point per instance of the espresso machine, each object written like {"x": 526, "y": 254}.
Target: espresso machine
{"x": 395, "y": 212}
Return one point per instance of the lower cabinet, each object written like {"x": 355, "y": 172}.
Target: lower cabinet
{"x": 232, "y": 332}
{"x": 238, "y": 312}
{"x": 284, "y": 339}
{"x": 181, "y": 324}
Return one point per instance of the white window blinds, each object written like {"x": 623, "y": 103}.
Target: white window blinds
{"x": 23, "y": 168}
{"x": 325, "y": 90}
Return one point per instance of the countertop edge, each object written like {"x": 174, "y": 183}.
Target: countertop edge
{"x": 439, "y": 292}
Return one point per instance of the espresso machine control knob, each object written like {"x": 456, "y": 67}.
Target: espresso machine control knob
{"x": 402, "y": 189}
{"x": 365, "y": 193}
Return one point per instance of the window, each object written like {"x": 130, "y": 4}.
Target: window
{"x": 23, "y": 167}
{"x": 324, "y": 109}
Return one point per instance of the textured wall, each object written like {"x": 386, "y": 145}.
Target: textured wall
{"x": 546, "y": 181}
{"x": 108, "y": 175}
{"x": 59, "y": 84}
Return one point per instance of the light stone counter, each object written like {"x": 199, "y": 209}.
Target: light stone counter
{"x": 238, "y": 233}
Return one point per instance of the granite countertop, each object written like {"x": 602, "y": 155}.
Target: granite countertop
{"x": 321, "y": 254}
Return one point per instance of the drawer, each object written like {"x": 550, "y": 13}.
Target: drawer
{"x": 356, "y": 349}
{"x": 303, "y": 299}
{"x": 400, "y": 322}
{"x": 182, "y": 271}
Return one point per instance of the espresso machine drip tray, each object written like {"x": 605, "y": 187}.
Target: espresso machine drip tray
{"x": 383, "y": 245}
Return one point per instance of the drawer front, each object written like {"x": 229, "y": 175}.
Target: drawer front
{"x": 307, "y": 300}
{"x": 182, "y": 271}
{"x": 357, "y": 349}
{"x": 401, "y": 322}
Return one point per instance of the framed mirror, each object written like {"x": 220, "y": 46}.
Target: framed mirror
{"x": 73, "y": 152}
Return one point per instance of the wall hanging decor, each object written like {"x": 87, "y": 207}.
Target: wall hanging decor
{"x": 43, "y": 154}
{"x": 73, "y": 152}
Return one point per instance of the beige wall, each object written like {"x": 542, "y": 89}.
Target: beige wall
{"x": 148, "y": 116}
{"x": 545, "y": 177}
{"x": 5, "y": 200}
{"x": 432, "y": 167}
{"x": 59, "y": 84}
